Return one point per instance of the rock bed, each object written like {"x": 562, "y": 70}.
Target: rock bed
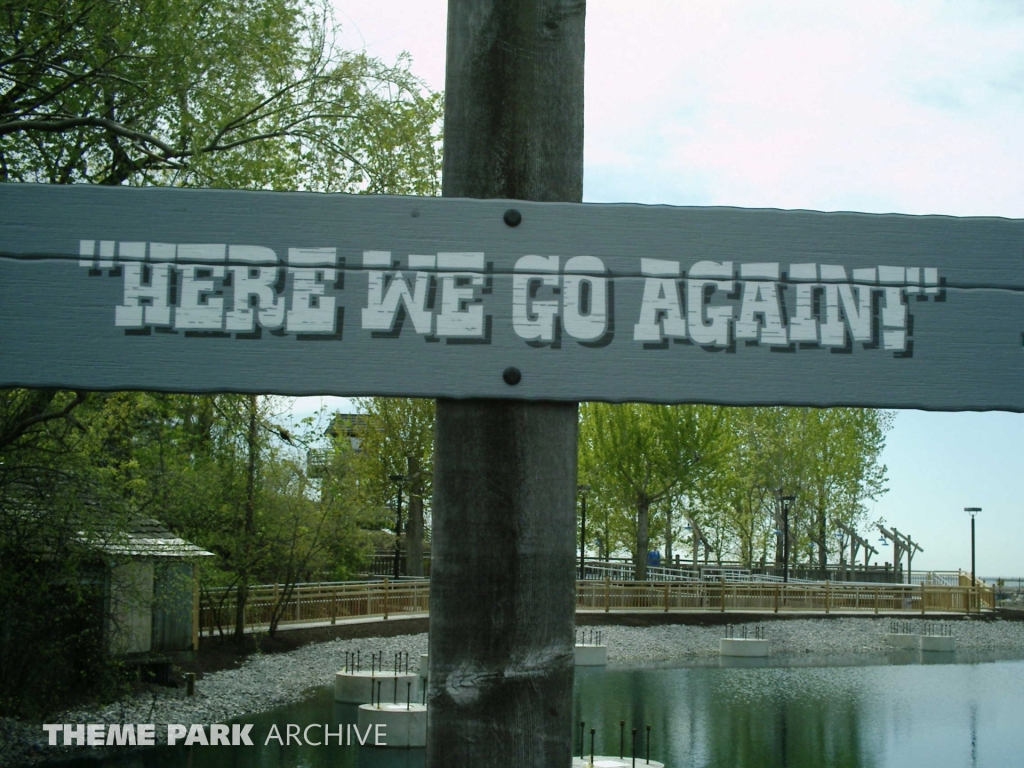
{"x": 265, "y": 682}
{"x": 840, "y": 636}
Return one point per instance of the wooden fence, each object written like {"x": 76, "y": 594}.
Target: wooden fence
{"x": 756, "y": 596}
{"x": 313, "y": 603}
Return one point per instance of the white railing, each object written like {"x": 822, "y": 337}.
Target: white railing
{"x": 599, "y": 570}
{"x": 623, "y": 571}
{"x": 936, "y": 578}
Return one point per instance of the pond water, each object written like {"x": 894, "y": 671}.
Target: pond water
{"x": 859, "y": 712}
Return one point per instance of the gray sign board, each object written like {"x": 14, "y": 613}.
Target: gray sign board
{"x": 299, "y": 293}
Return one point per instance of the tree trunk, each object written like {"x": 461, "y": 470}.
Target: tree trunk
{"x": 695, "y": 532}
{"x": 668, "y": 535}
{"x": 822, "y": 539}
{"x": 248, "y": 521}
{"x": 414, "y": 526}
{"x": 502, "y": 588}
{"x": 643, "y": 539}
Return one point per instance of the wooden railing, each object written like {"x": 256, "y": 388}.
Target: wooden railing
{"x": 757, "y": 596}
{"x": 329, "y": 602}
{"x": 312, "y": 603}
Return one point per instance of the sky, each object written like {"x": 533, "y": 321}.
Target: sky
{"x": 880, "y": 106}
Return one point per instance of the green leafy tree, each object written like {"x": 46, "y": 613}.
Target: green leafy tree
{"x": 219, "y": 93}
{"x": 226, "y": 473}
{"x": 827, "y": 459}
{"x": 216, "y": 93}
{"x": 50, "y": 498}
{"x": 351, "y": 524}
{"x": 640, "y": 454}
{"x": 396, "y": 438}
{"x": 842, "y": 469}
{"x": 767, "y": 456}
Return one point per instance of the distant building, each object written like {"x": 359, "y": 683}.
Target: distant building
{"x": 350, "y": 425}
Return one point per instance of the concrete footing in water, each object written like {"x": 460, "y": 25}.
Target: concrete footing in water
{"x": 742, "y": 646}
{"x": 902, "y": 641}
{"x": 938, "y": 643}
{"x": 591, "y": 655}
{"x": 601, "y": 761}
{"x": 400, "y": 725}
{"x": 362, "y": 687}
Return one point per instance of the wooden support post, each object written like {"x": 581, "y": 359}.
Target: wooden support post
{"x": 722, "y": 589}
{"x": 922, "y": 598}
{"x": 385, "y": 598}
{"x": 876, "y": 600}
{"x": 826, "y": 595}
{"x": 666, "y": 597}
{"x": 334, "y": 606}
{"x": 502, "y": 587}
{"x": 776, "y": 598}
{"x": 607, "y": 591}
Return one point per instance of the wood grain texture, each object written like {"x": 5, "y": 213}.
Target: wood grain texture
{"x": 502, "y": 582}
{"x": 959, "y": 293}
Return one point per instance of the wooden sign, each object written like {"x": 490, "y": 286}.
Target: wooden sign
{"x": 298, "y": 293}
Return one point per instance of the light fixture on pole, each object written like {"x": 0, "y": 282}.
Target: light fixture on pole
{"x": 583, "y": 526}
{"x": 972, "y": 511}
{"x": 398, "y": 480}
{"x": 785, "y": 501}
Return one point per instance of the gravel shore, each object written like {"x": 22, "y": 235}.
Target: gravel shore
{"x": 269, "y": 681}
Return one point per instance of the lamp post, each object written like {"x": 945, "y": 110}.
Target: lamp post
{"x": 972, "y": 511}
{"x": 785, "y": 501}
{"x": 583, "y": 526}
{"x": 607, "y": 537}
{"x": 398, "y": 480}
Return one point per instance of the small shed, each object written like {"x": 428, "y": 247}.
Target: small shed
{"x": 150, "y": 591}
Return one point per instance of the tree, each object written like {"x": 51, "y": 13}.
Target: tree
{"x": 827, "y": 459}
{"x": 842, "y": 470}
{"x": 305, "y": 533}
{"x": 49, "y": 498}
{"x": 219, "y": 93}
{"x": 742, "y": 490}
{"x": 768, "y": 451}
{"x": 641, "y": 454}
{"x": 216, "y": 93}
{"x": 397, "y": 438}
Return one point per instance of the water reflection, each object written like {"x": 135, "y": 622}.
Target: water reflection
{"x": 915, "y": 710}
{"x": 907, "y": 708}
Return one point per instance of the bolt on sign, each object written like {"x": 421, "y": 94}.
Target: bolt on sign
{"x": 299, "y": 293}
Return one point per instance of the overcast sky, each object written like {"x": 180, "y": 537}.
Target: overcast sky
{"x": 913, "y": 106}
